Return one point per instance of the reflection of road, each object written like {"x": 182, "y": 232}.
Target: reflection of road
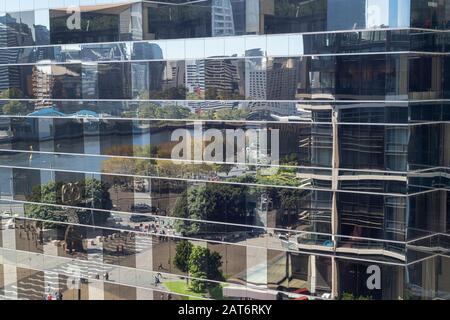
{"x": 7, "y": 207}
{"x": 155, "y": 225}
{"x": 94, "y": 268}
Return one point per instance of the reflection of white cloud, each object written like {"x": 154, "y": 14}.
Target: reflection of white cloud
{"x": 377, "y": 13}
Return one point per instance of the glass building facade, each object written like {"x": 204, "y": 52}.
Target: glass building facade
{"x": 353, "y": 96}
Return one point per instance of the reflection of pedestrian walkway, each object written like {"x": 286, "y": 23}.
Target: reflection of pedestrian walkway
{"x": 32, "y": 286}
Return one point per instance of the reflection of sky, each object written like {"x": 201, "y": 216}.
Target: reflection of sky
{"x": 359, "y": 14}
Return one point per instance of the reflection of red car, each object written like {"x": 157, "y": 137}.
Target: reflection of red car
{"x": 302, "y": 291}
{"x": 302, "y": 298}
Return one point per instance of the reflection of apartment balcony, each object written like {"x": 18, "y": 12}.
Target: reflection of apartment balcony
{"x": 372, "y": 248}
{"x": 314, "y": 96}
{"x": 323, "y": 243}
{"x": 427, "y": 95}
{"x": 311, "y": 242}
{"x": 435, "y": 243}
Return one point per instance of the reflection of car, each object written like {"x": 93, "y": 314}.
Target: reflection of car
{"x": 299, "y": 294}
{"x": 283, "y": 236}
{"x": 139, "y": 218}
{"x": 302, "y": 298}
{"x": 326, "y": 296}
{"x": 302, "y": 291}
{"x": 143, "y": 208}
{"x": 114, "y": 219}
{"x": 6, "y": 223}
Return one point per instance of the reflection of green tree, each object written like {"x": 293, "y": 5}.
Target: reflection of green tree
{"x": 351, "y": 296}
{"x": 14, "y": 107}
{"x": 213, "y": 202}
{"x": 183, "y": 251}
{"x": 148, "y": 110}
{"x": 94, "y": 195}
{"x": 216, "y": 94}
{"x": 195, "y": 96}
{"x": 174, "y": 93}
{"x": 12, "y": 93}
{"x": 200, "y": 263}
{"x": 204, "y": 264}
{"x": 130, "y": 165}
{"x": 223, "y": 114}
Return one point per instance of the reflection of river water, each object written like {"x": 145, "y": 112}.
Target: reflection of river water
{"x": 91, "y": 146}
{"x": 89, "y": 164}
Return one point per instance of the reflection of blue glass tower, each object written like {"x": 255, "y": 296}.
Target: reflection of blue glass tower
{"x": 222, "y": 18}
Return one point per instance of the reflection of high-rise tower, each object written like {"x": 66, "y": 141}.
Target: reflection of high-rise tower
{"x": 255, "y": 75}
{"x": 282, "y": 78}
{"x": 195, "y": 78}
{"x": 224, "y": 77}
{"x": 222, "y": 18}
{"x": 42, "y": 34}
{"x": 13, "y": 34}
{"x": 173, "y": 75}
{"x": 42, "y": 85}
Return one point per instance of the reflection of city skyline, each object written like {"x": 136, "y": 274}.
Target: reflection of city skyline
{"x": 350, "y": 97}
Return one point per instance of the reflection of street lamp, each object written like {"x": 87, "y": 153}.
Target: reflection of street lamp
{"x": 116, "y": 189}
{"x": 11, "y": 185}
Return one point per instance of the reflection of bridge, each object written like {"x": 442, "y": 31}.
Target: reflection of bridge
{"x": 52, "y": 112}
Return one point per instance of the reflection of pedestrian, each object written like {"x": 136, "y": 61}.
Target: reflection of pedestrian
{"x": 160, "y": 267}
{"x": 169, "y": 297}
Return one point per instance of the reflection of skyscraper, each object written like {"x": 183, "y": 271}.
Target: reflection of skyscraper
{"x": 222, "y": 18}
{"x": 195, "y": 79}
{"x": 224, "y": 77}
{"x": 42, "y": 34}
{"x": 174, "y": 74}
{"x": 349, "y": 130}
{"x": 255, "y": 75}
{"x": 89, "y": 83}
{"x": 55, "y": 81}
{"x": 42, "y": 85}
{"x": 282, "y": 78}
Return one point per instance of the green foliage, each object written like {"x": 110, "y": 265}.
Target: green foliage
{"x": 201, "y": 263}
{"x": 173, "y": 93}
{"x": 223, "y": 114}
{"x": 94, "y": 195}
{"x": 350, "y": 296}
{"x": 14, "y": 107}
{"x": 217, "y": 94}
{"x": 183, "y": 252}
{"x": 204, "y": 264}
{"x": 147, "y": 110}
{"x": 12, "y": 93}
{"x": 210, "y": 202}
